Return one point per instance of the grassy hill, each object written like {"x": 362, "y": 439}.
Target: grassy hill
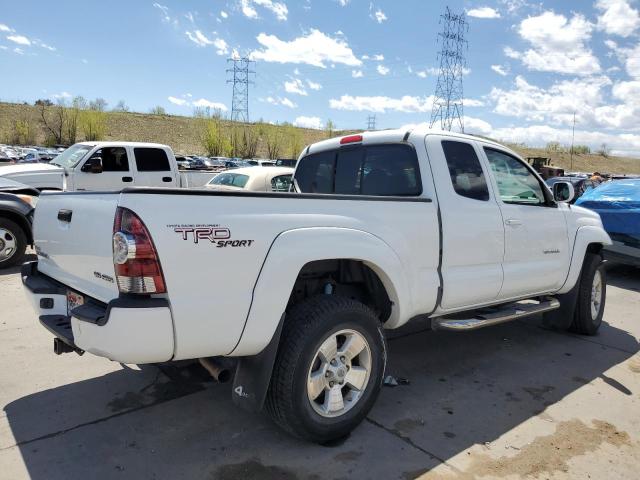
{"x": 184, "y": 135}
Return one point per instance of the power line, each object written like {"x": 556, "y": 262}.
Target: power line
{"x": 371, "y": 122}
{"x": 241, "y": 82}
{"x": 448, "y": 100}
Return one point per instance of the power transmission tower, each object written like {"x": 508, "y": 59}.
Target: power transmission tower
{"x": 241, "y": 82}
{"x": 371, "y": 122}
{"x": 448, "y": 101}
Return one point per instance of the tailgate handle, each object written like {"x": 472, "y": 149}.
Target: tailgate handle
{"x": 127, "y": 179}
{"x": 167, "y": 179}
{"x": 65, "y": 215}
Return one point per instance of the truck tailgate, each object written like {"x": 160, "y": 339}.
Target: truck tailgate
{"x": 73, "y": 238}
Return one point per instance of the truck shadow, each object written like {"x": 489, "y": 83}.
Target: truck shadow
{"x": 29, "y": 257}
{"x": 465, "y": 389}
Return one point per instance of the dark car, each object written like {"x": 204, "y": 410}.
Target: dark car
{"x": 184, "y": 163}
{"x": 286, "y": 162}
{"x": 17, "y": 202}
{"x": 580, "y": 184}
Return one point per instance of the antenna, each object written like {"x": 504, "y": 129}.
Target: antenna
{"x": 371, "y": 122}
{"x": 448, "y": 105}
{"x": 241, "y": 82}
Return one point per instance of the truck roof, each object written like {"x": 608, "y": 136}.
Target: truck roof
{"x": 396, "y": 135}
{"x": 113, "y": 143}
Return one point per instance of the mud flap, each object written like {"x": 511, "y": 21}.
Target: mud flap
{"x": 253, "y": 375}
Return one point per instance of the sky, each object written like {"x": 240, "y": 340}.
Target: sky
{"x": 530, "y": 66}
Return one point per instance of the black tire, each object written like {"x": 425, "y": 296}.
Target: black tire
{"x": 306, "y": 327}
{"x": 584, "y": 321}
{"x": 14, "y": 231}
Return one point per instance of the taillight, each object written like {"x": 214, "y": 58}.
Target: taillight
{"x": 135, "y": 259}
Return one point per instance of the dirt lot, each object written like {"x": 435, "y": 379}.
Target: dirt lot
{"x": 514, "y": 401}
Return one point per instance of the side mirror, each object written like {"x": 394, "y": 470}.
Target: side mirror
{"x": 93, "y": 165}
{"x": 563, "y": 191}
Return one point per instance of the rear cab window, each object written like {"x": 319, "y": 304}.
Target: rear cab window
{"x": 377, "y": 170}
{"x": 466, "y": 173}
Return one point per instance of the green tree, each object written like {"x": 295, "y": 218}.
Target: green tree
{"x": 158, "y": 110}
{"x": 94, "y": 125}
{"x": 274, "y": 140}
{"x": 329, "y": 127}
{"x": 295, "y": 143}
{"x": 23, "y": 132}
{"x": 215, "y": 139}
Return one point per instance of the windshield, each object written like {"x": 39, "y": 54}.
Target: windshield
{"x": 72, "y": 155}
{"x": 230, "y": 180}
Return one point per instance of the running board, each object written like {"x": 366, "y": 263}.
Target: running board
{"x": 486, "y": 317}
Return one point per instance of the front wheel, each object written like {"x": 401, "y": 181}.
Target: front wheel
{"x": 13, "y": 243}
{"x": 329, "y": 368}
{"x": 592, "y": 294}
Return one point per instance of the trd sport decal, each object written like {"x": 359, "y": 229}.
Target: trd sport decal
{"x": 220, "y": 236}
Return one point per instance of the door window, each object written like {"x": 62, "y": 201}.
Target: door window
{"x": 151, "y": 160}
{"x": 114, "y": 159}
{"x": 516, "y": 183}
{"x": 383, "y": 170}
{"x": 465, "y": 170}
{"x": 281, "y": 183}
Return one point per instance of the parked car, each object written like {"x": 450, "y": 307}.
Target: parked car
{"x": 383, "y": 227}
{"x": 618, "y": 204}
{"x": 107, "y": 166}
{"x": 286, "y": 162}
{"x": 255, "y": 179}
{"x": 580, "y": 184}
{"x": 17, "y": 202}
{"x": 257, "y": 162}
{"x": 184, "y": 163}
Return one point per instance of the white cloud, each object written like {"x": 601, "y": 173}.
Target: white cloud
{"x": 19, "y": 39}
{"x": 471, "y": 102}
{"x": 618, "y": 17}
{"x": 315, "y": 48}
{"x": 500, "y": 70}
{"x": 2, "y": 47}
{"x": 483, "y": 12}
{"x": 204, "y": 103}
{"x": 381, "y": 104}
{"x": 165, "y": 12}
{"x": 557, "y": 44}
{"x": 285, "y": 102}
{"x": 382, "y": 70}
{"x": 18, "y": 50}
{"x": 476, "y": 125}
{"x": 221, "y": 46}
{"x": 62, "y": 96}
{"x": 224, "y": 14}
{"x": 378, "y": 57}
{"x": 357, "y": 73}
{"x": 177, "y": 101}
{"x": 422, "y": 74}
{"x": 379, "y": 16}
{"x": 308, "y": 122}
{"x": 296, "y": 86}
{"x": 5, "y": 28}
{"x": 202, "y": 40}
{"x": 343, "y": 3}
{"x": 279, "y": 9}
{"x": 45, "y": 46}
{"x": 314, "y": 85}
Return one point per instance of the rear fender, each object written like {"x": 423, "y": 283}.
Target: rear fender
{"x": 291, "y": 251}
{"x": 585, "y": 236}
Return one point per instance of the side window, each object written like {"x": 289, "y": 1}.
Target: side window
{"x": 516, "y": 183}
{"x": 465, "y": 170}
{"x": 281, "y": 183}
{"x": 114, "y": 159}
{"x": 382, "y": 170}
{"x": 151, "y": 160}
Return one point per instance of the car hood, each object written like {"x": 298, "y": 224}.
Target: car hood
{"x": 10, "y": 170}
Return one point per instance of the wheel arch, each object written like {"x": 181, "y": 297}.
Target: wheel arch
{"x": 20, "y": 220}
{"x": 588, "y": 239}
{"x": 294, "y": 250}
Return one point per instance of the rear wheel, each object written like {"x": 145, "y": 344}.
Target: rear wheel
{"x": 328, "y": 370}
{"x": 592, "y": 292}
{"x": 13, "y": 243}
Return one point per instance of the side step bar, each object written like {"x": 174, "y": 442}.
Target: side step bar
{"x": 495, "y": 315}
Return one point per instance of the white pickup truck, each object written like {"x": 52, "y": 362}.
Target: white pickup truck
{"x": 384, "y": 227}
{"x": 107, "y": 166}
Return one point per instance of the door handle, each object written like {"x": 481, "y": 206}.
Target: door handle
{"x": 65, "y": 215}
{"x": 513, "y": 221}
{"x": 127, "y": 179}
{"x": 166, "y": 179}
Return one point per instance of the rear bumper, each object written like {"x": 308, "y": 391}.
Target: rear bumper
{"x": 126, "y": 330}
